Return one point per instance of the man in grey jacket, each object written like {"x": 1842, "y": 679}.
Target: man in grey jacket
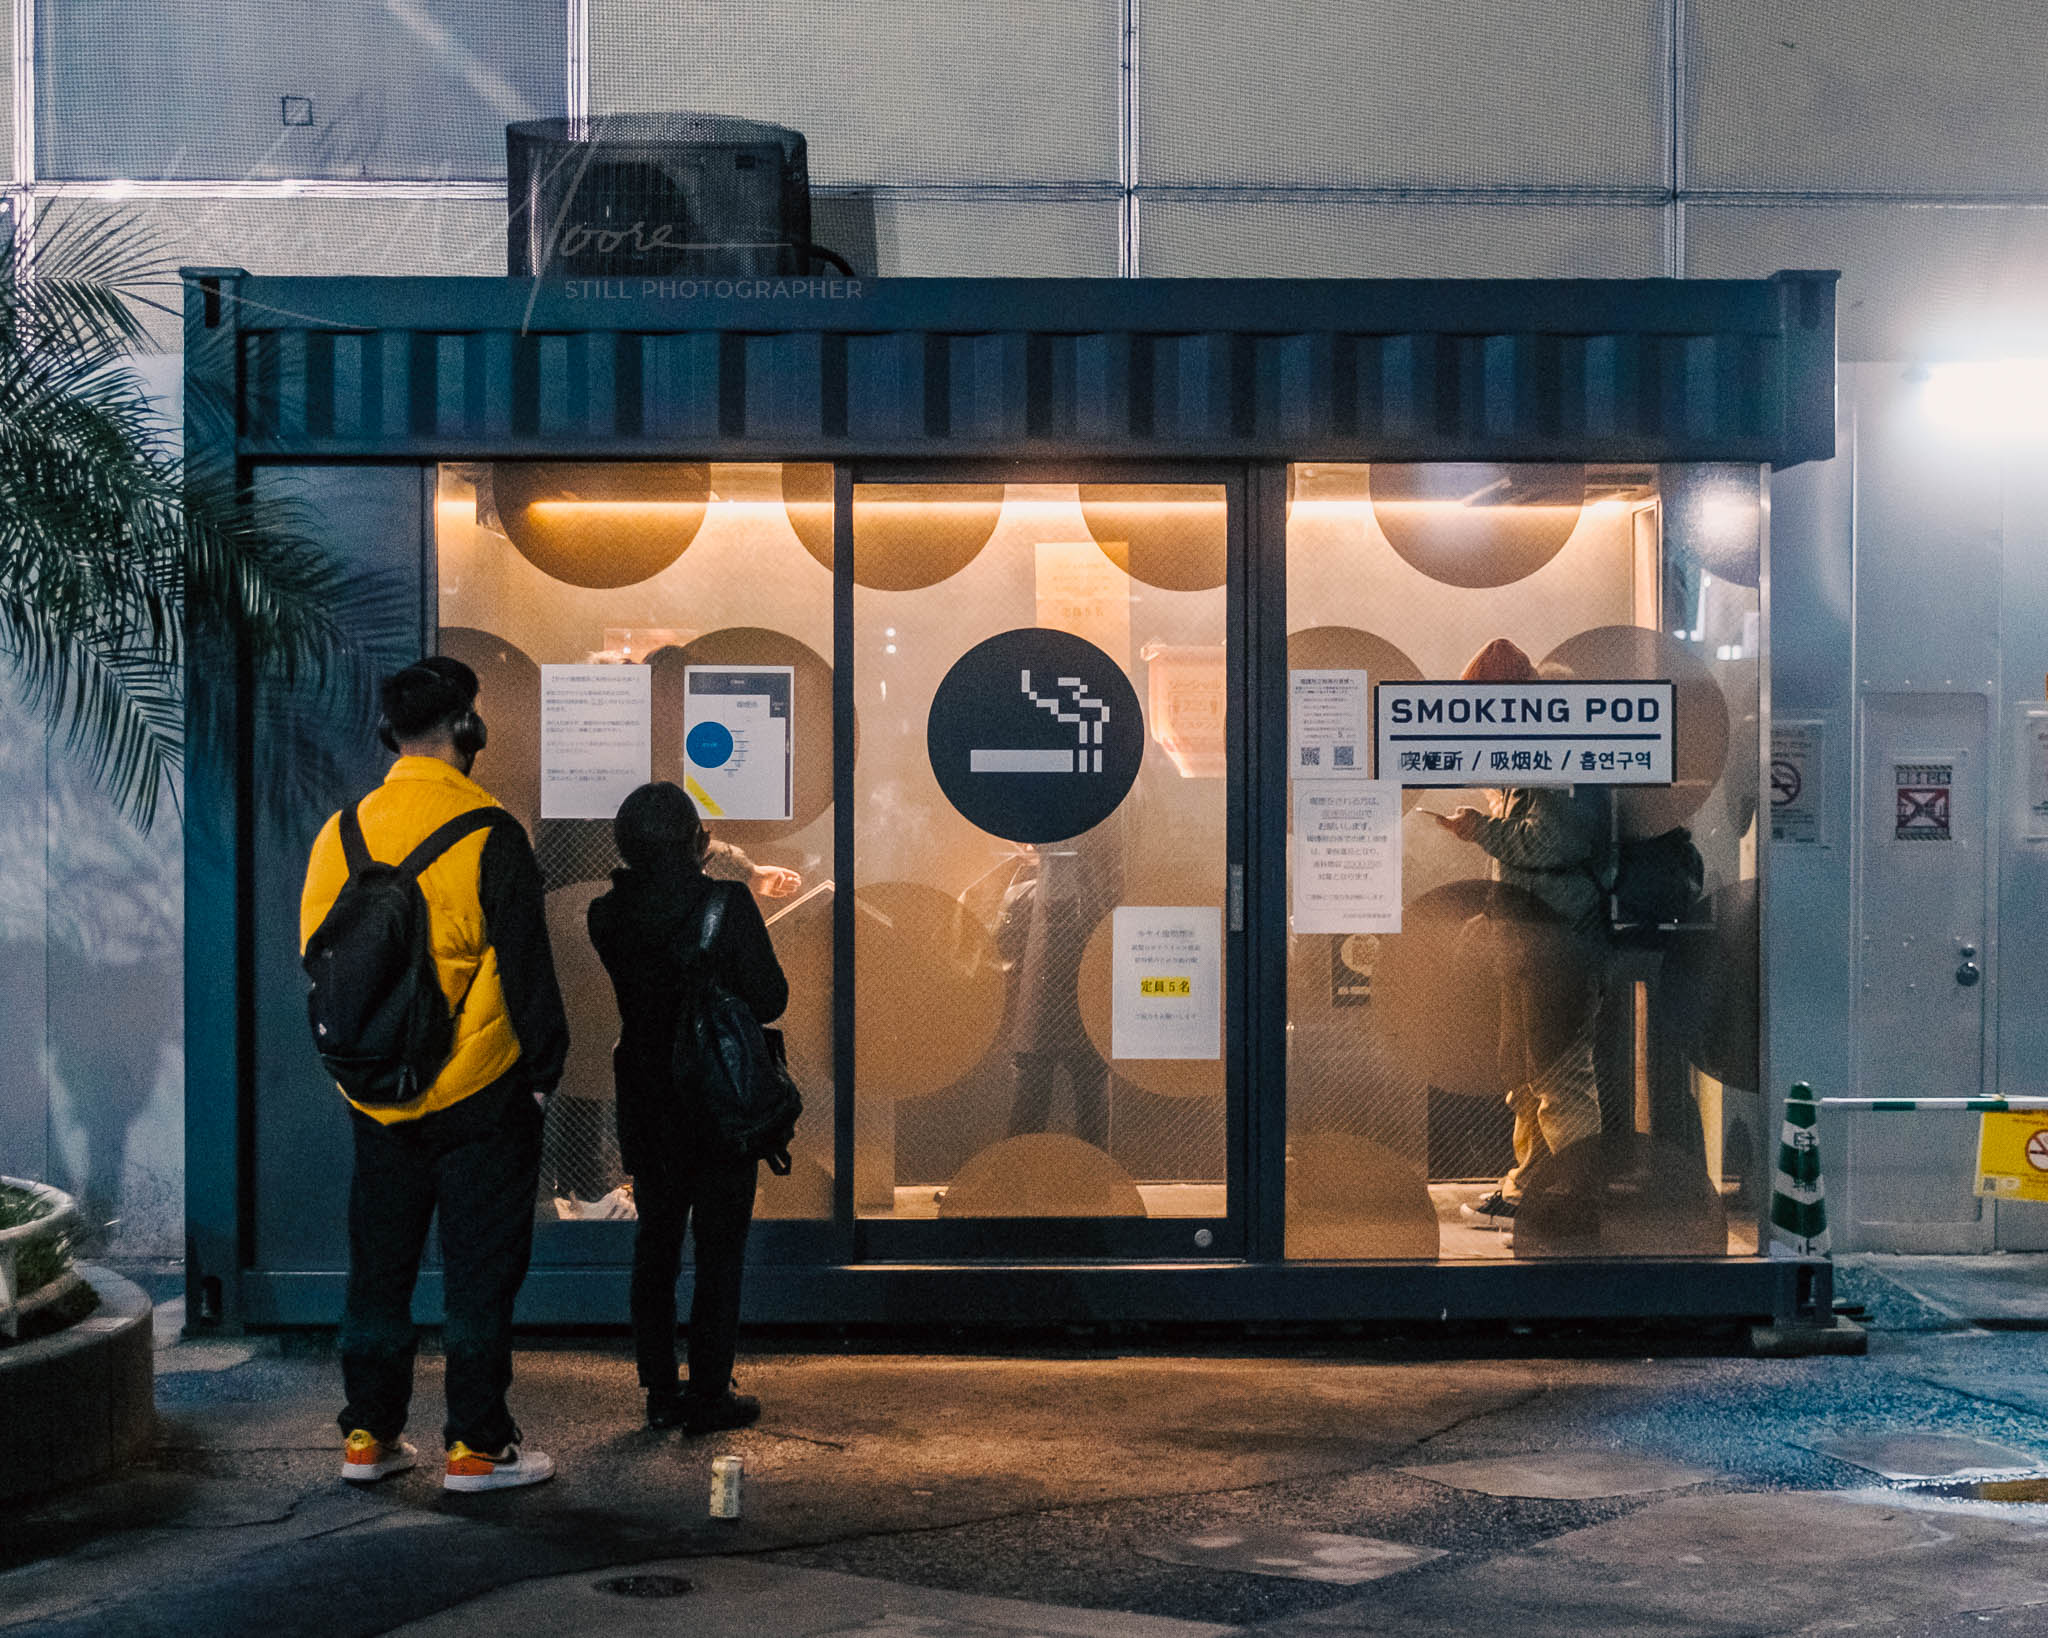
{"x": 1554, "y": 844}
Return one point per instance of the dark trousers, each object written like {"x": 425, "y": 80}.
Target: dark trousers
{"x": 717, "y": 1197}
{"x": 478, "y": 1161}
{"x": 1086, "y": 1073}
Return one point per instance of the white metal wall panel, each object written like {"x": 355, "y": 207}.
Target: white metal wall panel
{"x": 1025, "y": 92}
{"x": 2022, "y": 1003}
{"x": 1867, "y": 96}
{"x": 1221, "y": 237}
{"x": 1416, "y": 93}
{"x": 1917, "y": 280}
{"x": 24, "y": 918}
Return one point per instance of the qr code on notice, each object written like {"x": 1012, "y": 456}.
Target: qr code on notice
{"x": 1311, "y": 756}
{"x": 1341, "y": 756}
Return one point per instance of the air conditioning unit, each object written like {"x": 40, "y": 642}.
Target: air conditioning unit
{"x": 628, "y": 195}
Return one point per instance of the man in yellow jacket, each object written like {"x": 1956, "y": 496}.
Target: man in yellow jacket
{"x": 471, "y": 1144}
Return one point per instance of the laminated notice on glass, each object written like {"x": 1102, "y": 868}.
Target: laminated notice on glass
{"x": 1347, "y": 857}
{"x": 1798, "y": 754}
{"x": 738, "y": 741}
{"x": 596, "y": 738}
{"x": 1166, "y": 982}
{"x": 1541, "y": 733}
{"x": 1328, "y": 720}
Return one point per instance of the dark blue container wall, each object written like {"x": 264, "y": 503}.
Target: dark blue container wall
{"x": 1595, "y": 370}
{"x": 373, "y": 520}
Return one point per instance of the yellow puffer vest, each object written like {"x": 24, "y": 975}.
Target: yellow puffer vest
{"x": 420, "y": 794}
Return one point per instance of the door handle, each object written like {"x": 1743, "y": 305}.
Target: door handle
{"x": 1968, "y": 973}
{"x": 1237, "y": 898}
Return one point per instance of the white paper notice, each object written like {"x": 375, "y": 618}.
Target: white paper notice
{"x": 596, "y": 738}
{"x": 737, "y": 744}
{"x": 1166, "y": 982}
{"x": 2034, "y": 748}
{"x": 1327, "y": 724}
{"x": 1799, "y": 812}
{"x": 1347, "y": 857}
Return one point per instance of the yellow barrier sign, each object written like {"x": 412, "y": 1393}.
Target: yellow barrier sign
{"x": 2012, "y": 1155}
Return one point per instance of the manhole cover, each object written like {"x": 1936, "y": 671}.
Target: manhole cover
{"x": 648, "y": 1586}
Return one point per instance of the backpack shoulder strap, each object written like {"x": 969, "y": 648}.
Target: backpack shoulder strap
{"x": 712, "y": 919}
{"x": 441, "y": 839}
{"x": 354, "y": 850}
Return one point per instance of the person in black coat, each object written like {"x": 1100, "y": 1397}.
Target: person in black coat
{"x": 646, "y": 929}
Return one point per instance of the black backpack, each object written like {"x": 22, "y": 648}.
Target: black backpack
{"x": 733, "y": 1065}
{"x": 380, "y": 1021}
{"x": 1657, "y": 879}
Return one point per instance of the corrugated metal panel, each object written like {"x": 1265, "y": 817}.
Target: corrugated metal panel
{"x": 1497, "y": 370}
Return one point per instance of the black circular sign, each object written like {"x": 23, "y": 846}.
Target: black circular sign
{"x": 1035, "y": 735}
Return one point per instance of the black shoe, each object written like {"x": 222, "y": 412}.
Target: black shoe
{"x": 728, "y": 1410}
{"x": 1496, "y": 1211}
{"x": 665, "y": 1407}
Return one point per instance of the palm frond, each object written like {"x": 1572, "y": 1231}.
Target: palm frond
{"x": 105, "y": 558}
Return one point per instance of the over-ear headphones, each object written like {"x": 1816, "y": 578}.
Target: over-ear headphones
{"x": 470, "y": 734}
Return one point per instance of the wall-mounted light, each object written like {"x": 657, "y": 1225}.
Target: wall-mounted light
{"x": 1993, "y": 401}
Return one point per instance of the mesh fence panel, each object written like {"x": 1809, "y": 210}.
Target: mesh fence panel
{"x": 1866, "y": 96}
{"x": 323, "y": 236}
{"x": 381, "y": 89}
{"x": 1417, "y": 93}
{"x": 885, "y": 94}
{"x": 1218, "y": 236}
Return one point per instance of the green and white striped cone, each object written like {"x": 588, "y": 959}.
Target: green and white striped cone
{"x": 1799, "y": 1207}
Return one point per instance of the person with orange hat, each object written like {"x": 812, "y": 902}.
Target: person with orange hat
{"x": 1555, "y": 845}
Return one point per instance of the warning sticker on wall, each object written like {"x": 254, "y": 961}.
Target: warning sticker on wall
{"x": 1798, "y": 757}
{"x": 1924, "y": 790}
{"x": 2012, "y": 1156}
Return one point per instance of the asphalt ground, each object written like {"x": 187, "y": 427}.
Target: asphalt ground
{"x": 1051, "y": 1470}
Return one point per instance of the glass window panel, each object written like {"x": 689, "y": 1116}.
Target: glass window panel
{"x": 1418, "y": 93}
{"x": 664, "y": 567}
{"x": 1339, "y": 237}
{"x": 994, "y": 1076}
{"x": 1866, "y": 96}
{"x": 205, "y": 89}
{"x": 1514, "y": 1034}
{"x": 883, "y": 93}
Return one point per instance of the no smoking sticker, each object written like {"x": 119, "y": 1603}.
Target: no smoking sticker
{"x": 2037, "y": 1151}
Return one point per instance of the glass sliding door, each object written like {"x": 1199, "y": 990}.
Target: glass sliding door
{"x": 1044, "y": 829}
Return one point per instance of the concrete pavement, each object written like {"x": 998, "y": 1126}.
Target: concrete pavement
{"x": 1529, "y": 1484}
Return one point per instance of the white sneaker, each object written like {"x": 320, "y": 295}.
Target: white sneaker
{"x": 477, "y": 1470}
{"x": 365, "y": 1458}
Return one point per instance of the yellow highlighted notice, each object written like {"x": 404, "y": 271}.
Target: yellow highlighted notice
{"x": 698, "y": 794}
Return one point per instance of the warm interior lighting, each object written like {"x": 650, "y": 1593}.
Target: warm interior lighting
{"x": 562, "y": 507}
{"x": 2001, "y": 401}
